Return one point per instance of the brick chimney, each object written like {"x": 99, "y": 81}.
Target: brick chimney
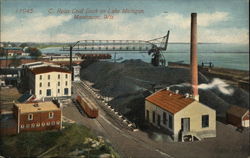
{"x": 193, "y": 57}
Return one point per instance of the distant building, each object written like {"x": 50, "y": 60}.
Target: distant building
{"x": 49, "y": 82}
{"x": 13, "y": 51}
{"x": 27, "y": 117}
{"x": 180, "y": 115}
{"x": 76, "y": 73}
{"x": 238, "y": 116}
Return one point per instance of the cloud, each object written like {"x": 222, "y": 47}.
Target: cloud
{"x": 206, "y": 19}
{"x": 38, "y": 28}
{"x": 8, "y": 19}
{"x": 32, "y": 28}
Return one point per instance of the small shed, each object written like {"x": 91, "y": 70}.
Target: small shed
{"x": 238, "y": 116}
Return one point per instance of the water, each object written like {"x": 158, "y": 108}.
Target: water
{"x": 233, "y": 56}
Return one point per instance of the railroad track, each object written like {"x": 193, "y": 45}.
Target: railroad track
{"x": 116, "y": 118}
{"x": 119, "y": 125}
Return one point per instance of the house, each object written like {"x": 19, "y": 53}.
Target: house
{"x": 26, "y": 117}
{"x": 180, "y": 115}
{"x": 14, "y": 51}
{"x": 238, "y": 116}
{"x": 49, "y": 82}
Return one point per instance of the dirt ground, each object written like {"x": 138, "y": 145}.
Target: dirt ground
{"x": 7, "y": 96}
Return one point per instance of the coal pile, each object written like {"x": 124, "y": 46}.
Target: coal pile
{"x": 131, "y": 81}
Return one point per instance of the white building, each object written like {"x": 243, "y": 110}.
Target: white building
{"x": 76, "y": 73}
{"x": 49, "y": 82}
{"x": 180, "y": 115}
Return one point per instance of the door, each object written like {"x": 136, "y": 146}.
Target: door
{"x": 159, "y": 120}
{"x": 185, "y": 124}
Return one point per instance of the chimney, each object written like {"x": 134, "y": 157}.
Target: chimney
{"x": 193, "y": 57}
{"x": 177, "y": 91}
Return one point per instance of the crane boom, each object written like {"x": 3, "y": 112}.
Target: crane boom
{"x": 154, "y": 47}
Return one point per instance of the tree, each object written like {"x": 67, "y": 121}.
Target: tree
{"x": 23, "y": 45}
{"x": 33, "y": 51}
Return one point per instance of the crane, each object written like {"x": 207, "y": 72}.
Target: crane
{"x": 154, "y": 47}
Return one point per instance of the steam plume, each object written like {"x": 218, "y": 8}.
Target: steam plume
{"x": 218, "y": 83}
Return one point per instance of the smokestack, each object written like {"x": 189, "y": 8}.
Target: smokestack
{"x": 193, "y": 57}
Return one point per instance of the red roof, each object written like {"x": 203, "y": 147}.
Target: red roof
{"x": 169, "y": 100}
{"x": 45, "y": 69}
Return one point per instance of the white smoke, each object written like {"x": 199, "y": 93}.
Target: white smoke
{"x": 218, "y": 83}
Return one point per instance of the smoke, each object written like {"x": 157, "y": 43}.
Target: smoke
{"x": 218, "y": 83}
{"x": 181, "y": 85}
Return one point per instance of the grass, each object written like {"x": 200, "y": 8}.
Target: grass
{"x": 62, "y": 143}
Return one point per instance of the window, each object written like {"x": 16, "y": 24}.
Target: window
{"x": 41, "y": 77}
{"x": 153, "y": 116}
{"x": 53, "y": 123}
{"x": 147, "y": 115}
{"x": 48, "y": 92}
{"x": 58, "y": 90}
{"x": 40, "y": 92}
{"x": 40, "y": 85}
{"x": 48, "y": 84}
{"x": 66, "y": 91}
{"x": 37, "y": 124}
{"x": 48, "y": 124}
{"x": 30, "y": 116}
{"x": 58, "y": 83}
{"x": 66, "y": 83}
{"x": 22, "y": 126}
{"x": 164, "y": 118}
{"x": 48, "y": 77}
{"x": 205, "y": 121}
{"x": 43, "y": 124}
{"x": 33, "y": 125}
{"x": 51, "y": 114}
{"x": 58, "y": 76}
{"x": 66, "y": 76}
{"x": 170, "y": 119}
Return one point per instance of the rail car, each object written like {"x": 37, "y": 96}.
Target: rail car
{"x": 88, "y": 107}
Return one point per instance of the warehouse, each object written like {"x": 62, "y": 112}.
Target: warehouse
{"x": 238, "y": 116}
{"x": 49, "y": 82}
{"x": 180, "y": 115}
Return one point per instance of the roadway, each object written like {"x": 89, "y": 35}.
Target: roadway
{"x": 127, "y": 141}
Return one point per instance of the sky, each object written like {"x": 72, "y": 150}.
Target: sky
{"x": 219, "y": 21}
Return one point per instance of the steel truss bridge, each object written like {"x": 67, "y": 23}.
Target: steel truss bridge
{"x": 154, "y": 47}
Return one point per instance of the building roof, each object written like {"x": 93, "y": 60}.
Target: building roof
{"x": 37, "y": 107}
{"x": 169, "y": 100}
{"x": 46, "y": 69}
{"x": 237, "y": 111}
{"x": 25, "y": 97}
{"x": 13, "y": 48}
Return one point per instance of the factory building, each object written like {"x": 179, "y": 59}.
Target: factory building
{"x": 49, "y": 82}
{"x": 180, "y": 115}
{"x": 39, "y": 116}
{"x": 238, "y": 116}
{"x": 184, "y": 117}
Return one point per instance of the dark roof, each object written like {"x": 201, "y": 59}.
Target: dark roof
{"x": 237, "y": 111}
{"x": 169, "y": 100}
{"x": 45, "y": 69}
{"x": 12, "y": 48}
{"x": 24, "y": 97}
